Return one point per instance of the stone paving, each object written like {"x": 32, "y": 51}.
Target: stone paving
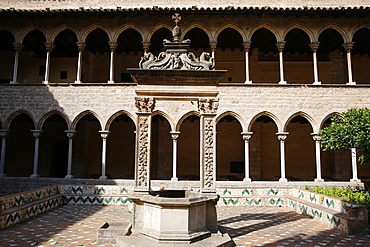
{"x": 76, "y": 225}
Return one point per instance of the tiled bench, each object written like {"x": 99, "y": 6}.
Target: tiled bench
{"x": 21, "y": 206}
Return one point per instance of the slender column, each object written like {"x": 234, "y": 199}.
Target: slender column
{"x": 17, "y": 47}
{"x": 37, "y": 134}
{"x": 247, "y": 46}
{"x": 49, "y": 48}
{"x": 208, "y": 109}
{"x": 3, "y": 134}
{"x": 80, "y": 46}
{"x": 145, "y": 108}
{"x": 104, "y": 135}
{"x": 280, "y": 45}
{"x": 348, "y": 47}
{"x": 246, "y": 136}
{"x": 174, "y": 136}
{"x": 354, "y": 166}
{"x": 112, "y": 46}
{"x": 70, "y": 135}
{"x": 146, "y": 46}
{"x": 317, "y": 140}
{"x": 213, "y": 45}
{"x": 314, "y": 47}
{"x": 282, "y": 136}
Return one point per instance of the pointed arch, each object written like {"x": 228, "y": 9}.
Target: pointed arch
{"x": 337, "y": 28}
{"x": 92, "y": 28}
{"x": 27, "y": 30}
{"x": 84, "y": 113}
{"x": 42, "y": 120}
{"x": 60, "y": 29}
{"x": 302, "y": 114}
{"x": 327, "y": 116}
{"x": 266, "y": 26}
{"x": 167, "y": 117}
{"x": 17, "y": 113}
{"x": 157, "y": 27}
{"x": 233, "y": 114}
{"x": 9, "y": 30}
{"x": 116, "y": 114}
{"x": 232, "y": 26}
{"x": 301, "y": 27}
{"x": 120, "y": 30}
{"x": 197, "y": 25}
{"x": 274, "y": 118}
{"x": 367, "y": 26}
{"x": 186, "y": 115}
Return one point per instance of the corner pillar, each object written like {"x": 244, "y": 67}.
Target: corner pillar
{"x": 246, "y": 136}
{"x": 3, "y": 134}
{"x": 282, "y": 137}
{"x": 70, "y": 134}
{"x": 37, "y": 134}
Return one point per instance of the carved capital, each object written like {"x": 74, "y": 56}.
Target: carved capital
{"x": 145, "y": 105}
{"x": 104, "y": 134}
{"x": 17, "y": 46}
{"x": 282, "y": 136}
{"x": 49, "y": 46}
{"x": 70, "y": 133}
{"x": 314, "y": 46}
{"x": 208, "y": 105}
{"x": 280, "y": 45}
{"x": 247, "y": 45}
{"x": 213, "y": 45}
{"x": 175, "y": 135}
{"x": 316, "y": 137}
{"x": 4, "y": 133}
{"x": 37, "y": 133}
{"x": 112, "y": 46}
{"x": 246, "y": 136}
{"x": 80, "y": 46}
{"x": 146, "y": 46}
{"x": 348, "y": 46}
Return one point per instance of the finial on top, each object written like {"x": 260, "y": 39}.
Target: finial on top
{"x": 176, "y": 18}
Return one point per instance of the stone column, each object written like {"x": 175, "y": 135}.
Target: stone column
{"x": 280, "y": 45}
{"x": 104, "y": 135}
{"x": 146, "y": 46}
{"x": 3, "y": 134}
{"x": 354, "y": 166}
{"x": 208, "y": 108}
{"x": 282, "y": 136}
{"x": 112, "y": 46}
{"x": 174, "y": 136}
{"x": 314, "y": 47}
{"x": 348, "y": 47}
{"x": 37, "y": 134}
{"x": 49, "y": 48}
{"x": 247, "y": 46}
{"x": 246, "y": 136}
{"x": 70, "y": 135}
{"x": 145, "y": 108}
{"x": 317, "y": 140}
{"x": 213, "y": 45}
{"x": 17, "y": 47}
{"x": 80, "y": 46}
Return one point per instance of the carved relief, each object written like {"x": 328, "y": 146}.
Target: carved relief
{"x": 145, "y": 105}
{"x": 208, "y": 106}
{"x": 142, "y": 164}
{"x": 208, "y": 152}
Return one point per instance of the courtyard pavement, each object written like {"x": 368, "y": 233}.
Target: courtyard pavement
{"x": 76, "y": 225}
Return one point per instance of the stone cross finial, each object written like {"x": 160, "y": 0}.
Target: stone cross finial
{"x": 176, "y": 18}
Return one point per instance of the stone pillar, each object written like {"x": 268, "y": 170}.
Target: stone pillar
{"x": 3, "y": 134}
{"x": 314, "y": 47}
{"x": 247, "y": 46}
{"x": 174, "y": 136}
{"x": 145, "y": 108}
{"x": 354, "y": 166}
{"x": 37, "y": 134}
{"x": 317, "y": 140}
{"x": 348, "y": 47}
{"x": 49, "y": 48}
{"x": 80, "y": 46}
{"x": 246, "y": 136}
{"x": 213, "y": 45}
{"x": 17, "y": 47}
{"x": 112, "y": 46}
{"x": 104, "y": 135}
{"x": 280, "y": 45}
{"x": 146, "y": 46}
{"x": 70, "y": 135}
{"x": 208, "y": 108}
{"x": 282, "y": 136}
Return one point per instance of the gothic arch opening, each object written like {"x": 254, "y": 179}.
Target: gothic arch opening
{"x": 189, "y": 149}
{"x": 121, "y": 148}
{"x": 63, "y": 61}
{"x": 230, "y": 150}
{"x": 361, "y": 56}
{"x": 298, "y": 65}
{"x": 230, "y": 55}
{"x": 20, "y": 145}
{"x": 6, "y": 56}
{"x": 331, "y": 58}
{"x": 161, "y": 149}
{"x": 263, "y": 57}
{"x": 156, "y": 41}
{"x": 199, "y": 41}
{"x": 53, "y": 156}
{"x": 87, "y": 147}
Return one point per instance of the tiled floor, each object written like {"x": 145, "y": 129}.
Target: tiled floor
{"x": 76, "y": 225}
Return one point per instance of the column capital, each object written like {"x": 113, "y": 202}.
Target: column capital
{"x": 104, "y": 134}
{"x": 37, "y": 133}
{"x": 316, "y": 136}
{"x": 213, "y": 45}
{"x": 70, "y": 133}
{"x": 246, "y": 135}
{"x": 145, "y": 105}
{"x": 282, "y": 135}
{"x": 80, "y": 46}
{"x": 207, "y": 105}
{"x": 4, "y": 133}
{"x": 49, "y": 46}
{"x": 146, "y": 46}
{"x": 247, "y": 45}
{"x": 18, "y": 46}
{"x": 348, "y": 46}
{"x": 112, "y": 45}
{"x": 175, "y": 135}
{"x": 314, "y": 46}
{"x": 280, "y": 45}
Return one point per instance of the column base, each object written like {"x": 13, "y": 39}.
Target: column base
{"x": 247, "y": 180}
{"x": 355, "y": 180}
{"x": 319, "y": 180}
{"x": 14, "y": 82}
{"x": 283, "y": 180}
{"x": 35, "y": 176}
{"x": 103, "y": 177}
{"x": 174, "y": 179}
{"x": 69, "y": 177}
{"x": 248, "y": 82}
{"x": 78, "y": 82}
{"x": 351, "y": 83}
{"x": 282, "y": 82}
{"x": 110, "y": 82}
{"x": 317, "y": 83}
{"x": 3, "y": 175}
{"x": 45, "y": 82}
